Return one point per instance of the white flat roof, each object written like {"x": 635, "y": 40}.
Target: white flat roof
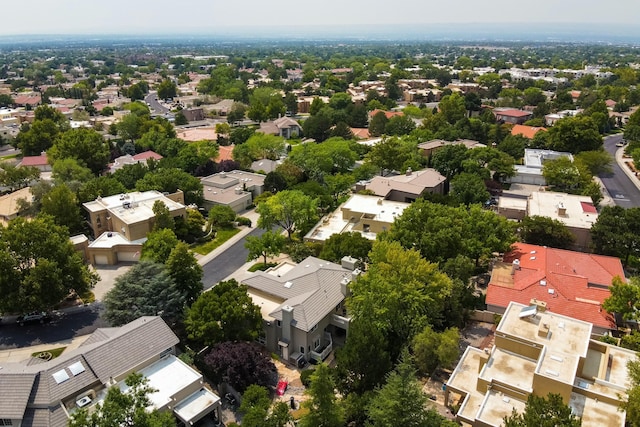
{"x": 579, "y": 210}
{"x": 198, "y": 403}
{"x": 110, "y": 239}
{"x": 168, "y": 376}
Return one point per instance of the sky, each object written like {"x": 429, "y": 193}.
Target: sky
{"x": 215, "y": 16}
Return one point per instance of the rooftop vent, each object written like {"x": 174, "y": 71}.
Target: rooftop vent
{"x": 288, "y": 285}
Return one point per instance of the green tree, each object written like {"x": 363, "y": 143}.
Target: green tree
{"x": 70, "y": 172}
{"x": 545, "y": 231}
{"x": 399, "y": 294}
{"x": 564, "y": 174}
{"x": 617, "y": 233}
{"x": 269, "y": 244}
{"x": 15, "y": 177}
{"x": 448, "y": 160}
{"x": 631, "y": 402}
{"x": 225, "y": 313}
{"x": 38, "y": 137}
{"x": 38, "y": 266}
{"x": 550, "y": 411}
{"x": 574, "y": 134}
{"x": 255, "y": 406}
{"x": 221, "y": 216}
{"x": 432, "y": 349}
{"x": 159, "y": 245}
{"x": 167, "y": 89}
{"x": 163, "y": 217}
{"x": 180, "y": 119}
{"x": 172, "y": 180}
{"x": 85, "y": 145}
{"x": 400, "y": 125}
{"x": 351, "y": 244}
{"x": 596, "y": 162}
{"x": 124, "y": 408}
{"x": 290, "y": 209}
{"x": 101, "y": 186}
{"x": 513, "y": 145}
{"x": 468, "y": 188}
{"x": 145, "y": 290}
{"x": 378, "y": 124}
{"x": 185, "y": 271}
{"x": 624, "y": 298}
{"x": 318, "y": 126}
{"x": 452, "y": 108}
{"x": 62, "y": 205}
{"x": 323, "y": 406}
{"x": 401, "y": 402}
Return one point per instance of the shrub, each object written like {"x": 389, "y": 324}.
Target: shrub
{"x": 305, "y": 377}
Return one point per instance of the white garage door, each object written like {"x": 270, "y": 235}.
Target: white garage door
{"x": 101, "y": 260}
{"x": 128, "y": 256}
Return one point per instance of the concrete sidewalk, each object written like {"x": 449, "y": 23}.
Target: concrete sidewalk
{"x": 623, "y": 162}
{"x": 17, "y": 355}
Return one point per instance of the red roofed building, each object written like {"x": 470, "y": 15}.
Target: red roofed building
{"x": 516, "y": 117}
{"x": 39, "y": 162}
{"x": 570, "y": 283}
{"x": 526, "y": 131}
{"x": 389, "y": 114}
{"x": 24, "y": 100}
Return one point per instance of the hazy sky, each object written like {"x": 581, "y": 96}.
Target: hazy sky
{"x": 154, "y": 16}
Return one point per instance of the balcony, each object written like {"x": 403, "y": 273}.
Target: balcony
{"x": 321, "y": 353}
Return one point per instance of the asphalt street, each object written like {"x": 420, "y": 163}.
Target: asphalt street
{"x": 152, "y": 100}
{"x": 64, "y": 326}
{"x": 620, "y": 187}
{"x": 227, "y": 262}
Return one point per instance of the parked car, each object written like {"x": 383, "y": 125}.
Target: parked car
{"x": 282, "y": 387}
{"x": 33, "y": 317}
{"x": 620, "y": 144}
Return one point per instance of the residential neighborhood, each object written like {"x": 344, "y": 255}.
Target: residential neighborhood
{"x": 344, "y": 233}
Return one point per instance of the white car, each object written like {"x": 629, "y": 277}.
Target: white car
{"x": 620, "y": 144}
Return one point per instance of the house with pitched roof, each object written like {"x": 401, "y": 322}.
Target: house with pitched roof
{"x": 570, "y": 283}
{"x": 409, "y": 186}
{"x": 48, "y": 392}
{"x": 128, "y": 159}
{"x": 526, "y": 131}
{"x": 10, "y": 205}
{"x": 428, "y": 148}
{"x": 512, "y": 116}
{"x": 285, "y": 127}
{"x": 41, "y": 162}
{"x": 539, "y": 351}
{"x": 302, "y": 306}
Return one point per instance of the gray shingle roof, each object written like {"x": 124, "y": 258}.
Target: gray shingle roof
{"x": 111, "y": 353}
{"x": 314, "y": 292}
{"x": 19, "y": 386}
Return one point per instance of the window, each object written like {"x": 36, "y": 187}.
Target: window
{"x": 279, "y": 323}
{"x": 366, "y": 228}
{"x": 5, "y": 422}
{"x": 302, "y": 349}
{"x": 316, "y": 343}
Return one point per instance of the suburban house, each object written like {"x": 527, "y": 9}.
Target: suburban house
{"x": 368, "y": 215}
{"x": 128, "y": 159}
{"x": 531, "y": 171}
{"x": 48, "y": 392}
{"x": 428, "y": 148}
{"x": 120, "y": 223}
{"x": 516, "y": 117}
{"x": 551, "y": 119}
{"x": 569, "y": 283}
{"x": 408, "y": 187}
{"x": 235, "y": 189}
{"x": 388, "y": 114}
{"x": 539, "y": 351}
{"x": 576, "y": 212}
{"x": 194, "y": 114}
{"x": 526, "y": 131}
{"x": 285, "y": 127}
{"x": 41, "y": 162}
{"x": 10, "y": 204}
{"x": 302, "y": 306}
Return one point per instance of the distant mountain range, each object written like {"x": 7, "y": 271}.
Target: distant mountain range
{"x": 517, "y": 32}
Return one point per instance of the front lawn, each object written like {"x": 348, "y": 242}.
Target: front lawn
{"x": 221, "y": 236}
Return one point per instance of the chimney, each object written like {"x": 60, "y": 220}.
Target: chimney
{"x": 409, "y": 171}
{"x": 344, "y": 286}
{"x": 287, "y": 319}
{"x": 354, "y": 274}
{"x": 515, "y": 266}
{"x": 562, "y": 211}
{"x": 349, "y": 263}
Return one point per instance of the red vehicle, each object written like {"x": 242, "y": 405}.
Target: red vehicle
{"x": 282, "y": 387}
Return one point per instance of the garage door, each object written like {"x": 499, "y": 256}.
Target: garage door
{"x": 101, "y": 260}
{"x": 128, "y": 256}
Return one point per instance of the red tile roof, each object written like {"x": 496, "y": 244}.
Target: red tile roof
{"x": 571, "y": 283}
{"x": 225, "y": 153}
{"x": 360, "y": 133}
{"x": 40, "y": 160}
{"x": 389, "y": 114}
{"x": 27, "y": 99}
{"x": 526, "y": 131}
{"x": 588, "y": 207}
{"x": 147, "y": 155}
{"x": 513, "y": 113}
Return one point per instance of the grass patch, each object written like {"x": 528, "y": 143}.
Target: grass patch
{"x": 55, "y": 352}
{"x": 221, "y": 237}
{"x": 10, "y": 156}
{"x": 262, "y": 266}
